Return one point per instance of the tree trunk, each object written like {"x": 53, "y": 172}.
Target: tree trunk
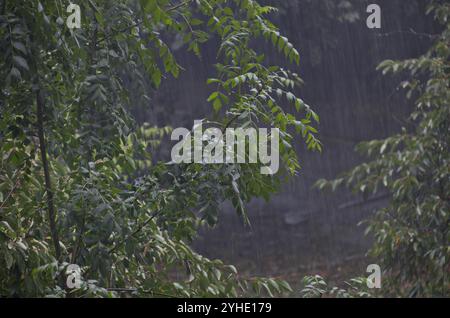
{"x": 48, "y": 186}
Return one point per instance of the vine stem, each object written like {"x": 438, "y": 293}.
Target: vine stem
{"x": 48, "y": 185}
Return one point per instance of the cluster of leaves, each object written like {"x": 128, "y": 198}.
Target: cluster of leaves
{"x": 254, "y": 91}
{"x": 413, "y": 167}
{"x": 317, "y": 287}
{"x": 77, "y": 183}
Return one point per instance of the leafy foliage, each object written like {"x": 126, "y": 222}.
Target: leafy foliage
{"x": 317, "y": 287}
{"x": 412, "y": 232}
{"x": 77, "y": 182}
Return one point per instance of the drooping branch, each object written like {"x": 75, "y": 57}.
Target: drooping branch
{"x": 48, "y": 186}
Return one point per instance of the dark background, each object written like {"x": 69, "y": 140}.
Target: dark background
{"x": 302, "y": 230}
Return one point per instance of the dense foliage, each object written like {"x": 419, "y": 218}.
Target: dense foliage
{"x": 413, "y": 167}
{"x": 77, "y": 182}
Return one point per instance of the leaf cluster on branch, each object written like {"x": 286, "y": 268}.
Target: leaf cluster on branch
{"x": 77, "y": 182}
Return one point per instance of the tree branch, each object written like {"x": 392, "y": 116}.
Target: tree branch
{"x": 411, "y": 31}
{"x": 133, "y": 234}
{"x": 132, "y": 290}
{"x": 48, "y": 186}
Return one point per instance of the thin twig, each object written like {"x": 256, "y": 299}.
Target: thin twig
{"x": 133, "y": 234}
{"x": 11, "y": 192}
{"x": 411, "y": 31}
{"x": 178, "y": 5}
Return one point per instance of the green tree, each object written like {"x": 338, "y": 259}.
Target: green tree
{"x": 412, "y": 233}
{"x": 77, "y": 185}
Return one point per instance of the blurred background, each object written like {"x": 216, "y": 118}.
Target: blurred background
{"x": 302, "y": 230}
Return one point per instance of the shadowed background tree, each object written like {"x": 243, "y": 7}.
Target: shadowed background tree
{"x": 413, "y": 167}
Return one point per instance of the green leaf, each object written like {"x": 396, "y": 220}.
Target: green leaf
{"x": 213, "y": 96}
{"x": 19, "y": 46}
{"x": 20, "y": 61}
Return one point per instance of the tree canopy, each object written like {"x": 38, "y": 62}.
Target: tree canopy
{"x": 412, "y": 232}
{"x": 77, "y": 182}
